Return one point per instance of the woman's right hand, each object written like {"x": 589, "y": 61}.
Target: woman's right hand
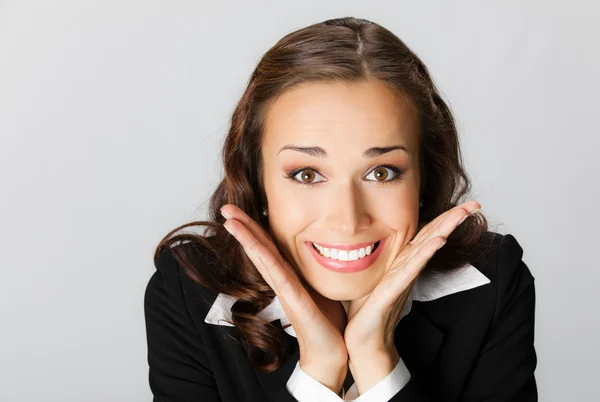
{"x": 318, "y": 322}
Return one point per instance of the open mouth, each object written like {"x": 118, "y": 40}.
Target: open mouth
{"x": 347, "y": 261}
{"x": 362, "y": 252}
{"x": 374, "y": 245}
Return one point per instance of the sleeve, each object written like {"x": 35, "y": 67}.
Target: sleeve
{"x": 178, "y": 371}
{"x": 504, "y": 369}
{"x": 385, "y": 389}
{"x": 305, "y": 388}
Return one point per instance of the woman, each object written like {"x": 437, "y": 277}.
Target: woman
{"x": 339, "y": 263}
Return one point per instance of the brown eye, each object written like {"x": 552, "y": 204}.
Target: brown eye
{"x": 381, "y": 173}
{"x": 384, "y": 174}
{"x": 307, "y": 176}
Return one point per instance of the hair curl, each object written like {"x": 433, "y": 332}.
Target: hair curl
{"x": 347, "y": 49}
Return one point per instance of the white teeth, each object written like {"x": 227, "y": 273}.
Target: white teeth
{"x": 344, "y": 255}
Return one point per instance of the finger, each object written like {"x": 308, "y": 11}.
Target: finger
{"x": 252, "y": 247}
{"x": 280, "y": 277}
{"x": 257, "y": 231}
{"x": 444, "y": 227}
{"x": 286, "y": 284}
{"x": 469, "y": 206}
{"x": 401, "y": 278}
{"x": 423, "y": 230}
{"x": 294, "y": 298}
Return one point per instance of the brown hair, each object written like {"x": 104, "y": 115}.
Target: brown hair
{"x": 347, "y": 49}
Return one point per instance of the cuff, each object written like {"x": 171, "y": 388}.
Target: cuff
{"x": 385, "y": 389}
{"x": 306, "y": 389}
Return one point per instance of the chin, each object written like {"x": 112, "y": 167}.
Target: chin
{"x": 343, "y": 292}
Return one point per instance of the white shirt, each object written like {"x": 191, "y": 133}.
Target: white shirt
{"x": 305, "y": 388}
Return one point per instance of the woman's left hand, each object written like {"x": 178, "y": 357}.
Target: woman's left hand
{"x": 373, "y": 318}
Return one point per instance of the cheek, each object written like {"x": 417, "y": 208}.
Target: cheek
{"x": 400, "y": 215}
{"x": 288, "y": 217}
{"x": 290, "y": 211}
{"x": 397, "y": 211}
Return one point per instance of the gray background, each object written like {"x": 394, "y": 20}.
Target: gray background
{"x": 112, "y": 115}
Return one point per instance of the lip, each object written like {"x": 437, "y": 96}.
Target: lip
{"x": 347, "y": 266}
{"x": 346, "y": 247}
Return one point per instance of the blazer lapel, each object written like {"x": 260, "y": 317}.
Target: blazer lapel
{"x": 418, "y": 340}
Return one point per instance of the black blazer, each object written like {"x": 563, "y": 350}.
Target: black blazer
{"x": 473, "y": 345}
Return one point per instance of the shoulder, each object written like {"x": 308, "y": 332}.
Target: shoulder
{"x": 170, "y": 283}
{"x": 483, "y": 289}
{"x": 502, "y": 262}
{"x": 491, "y": 307}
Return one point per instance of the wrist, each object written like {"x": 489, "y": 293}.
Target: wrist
{"x": 331, "y": 375}
{"x": 369, "y": 368}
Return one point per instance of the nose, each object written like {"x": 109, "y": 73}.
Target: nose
{"x": 347, "y": 211}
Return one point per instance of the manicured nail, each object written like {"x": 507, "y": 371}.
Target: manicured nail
{"x": 462, "y": 220}
{"x": 440, "y": 246}
{"x": 225, "y": 214}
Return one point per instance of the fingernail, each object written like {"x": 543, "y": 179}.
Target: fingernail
{"x": 462, "y": 220}
{"x": 225, "y": 214}
{"x": 229, "y": 229}
{"x": 440, "y": 246}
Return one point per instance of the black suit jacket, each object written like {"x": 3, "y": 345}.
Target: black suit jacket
{"x": 473, "y": 345}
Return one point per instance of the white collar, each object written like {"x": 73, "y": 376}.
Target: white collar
{"x": 427, "y": 287}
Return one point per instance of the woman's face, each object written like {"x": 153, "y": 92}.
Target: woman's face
{"x": 339, "y": 192}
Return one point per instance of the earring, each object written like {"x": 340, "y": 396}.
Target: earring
{"x": 265, "y": 212}
{"x": 421, "y": 204}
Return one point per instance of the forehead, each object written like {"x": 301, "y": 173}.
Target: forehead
{"x": 362, "y": 113}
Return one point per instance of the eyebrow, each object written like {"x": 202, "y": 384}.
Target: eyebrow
{"x": 321, "y": 153}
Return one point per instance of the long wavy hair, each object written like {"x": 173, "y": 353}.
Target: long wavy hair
{"x": 347, "y": 49}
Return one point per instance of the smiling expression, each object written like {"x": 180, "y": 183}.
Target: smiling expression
{"x": 341, "y": 168}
